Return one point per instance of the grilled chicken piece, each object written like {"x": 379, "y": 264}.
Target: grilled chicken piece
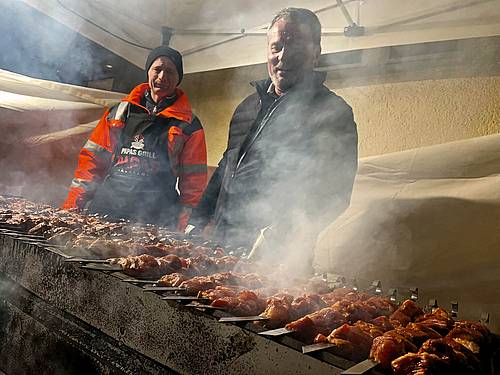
{"x": 218, "y": 292}
{"x": 352, "y": 341}
{"x": 406, "y": 313}
{"x": 390, "y": 346}
{"x": 245, "y": 303}
{"x": 417, "y": 333}
{"x": 421, "y": 364}
{"x": 322, "y": 321}
{"x": 383, "y": 322}
{"x": 461, "y": 359}
{"x": 278, "y": 310}
{"x": 471, "y": 331}
{"x": 438, "y": 320}
{"x": 174, "y": 279}
{"x": 197, "y": 284}
{"x": 336, "y": 295}
{"x": 148, "y": 266}
{"x": 284, "y": 308}
{"x": 382, "y": 306}
{"x": 305, "y": 304}
{"x": 142, "y": 265}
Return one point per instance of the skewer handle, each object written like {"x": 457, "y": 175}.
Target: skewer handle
{"x": 206, "y": 307}
{"x": 316, "y": 347}
{"x": 183, "y": 298}
{"x": 135, "y": 281}
{"x": 361, "y": 368}
{"x": 101, "y": 267}
{"x": 276, "y": 332}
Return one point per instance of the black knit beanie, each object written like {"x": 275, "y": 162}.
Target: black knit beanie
{"x": 171, "y": 53}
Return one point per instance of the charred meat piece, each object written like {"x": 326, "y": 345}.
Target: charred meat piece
{"x": 421, "y": 364}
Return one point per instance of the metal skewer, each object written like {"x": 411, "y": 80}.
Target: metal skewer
{"x": 236, "y": 319}
{"x": 82, "y": 260}
{"x": 155, "y": 288}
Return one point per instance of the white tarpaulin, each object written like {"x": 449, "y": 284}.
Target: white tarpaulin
{"x": 230, "y": 33}
{"x": 43, "y": 126}
{"x": 426, "y": 218}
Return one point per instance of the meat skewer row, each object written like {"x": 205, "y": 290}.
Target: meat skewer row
{"x": 148, "y": 266}
{"x": 94, "y": 234}
{"x": 414, "y": 348}
{"x": 351, "y": 308}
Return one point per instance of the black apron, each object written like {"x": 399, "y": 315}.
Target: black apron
{"x": 140, "y": 185}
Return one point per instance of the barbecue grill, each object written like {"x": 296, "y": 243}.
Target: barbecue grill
{"x": 59, "y": 316}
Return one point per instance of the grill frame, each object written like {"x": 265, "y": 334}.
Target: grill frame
{"x": 178, "y": 338}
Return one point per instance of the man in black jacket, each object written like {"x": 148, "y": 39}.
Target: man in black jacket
{"x": 292, "y": 151}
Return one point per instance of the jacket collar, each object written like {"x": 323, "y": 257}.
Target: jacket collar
{"x": 315, "y": 85}
{"x": 180, "y": 109}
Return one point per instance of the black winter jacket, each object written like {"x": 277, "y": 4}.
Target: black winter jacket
{"x": 298, "y": 170}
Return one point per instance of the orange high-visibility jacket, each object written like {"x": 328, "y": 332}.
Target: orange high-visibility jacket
{"x": 186, "y": 150}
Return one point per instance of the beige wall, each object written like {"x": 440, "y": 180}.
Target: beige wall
{"x": 390, "y": 117}
{"x": 399, "y": 116}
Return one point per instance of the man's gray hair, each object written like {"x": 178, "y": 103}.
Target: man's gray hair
{"x": 301, "y": 16}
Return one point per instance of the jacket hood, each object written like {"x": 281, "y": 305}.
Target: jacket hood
{"x": 180, "y": 109}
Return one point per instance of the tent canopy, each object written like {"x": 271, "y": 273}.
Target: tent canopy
{"x": 231, "y": 33}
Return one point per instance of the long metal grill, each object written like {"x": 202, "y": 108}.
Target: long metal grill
{"x": 117, "y": 327}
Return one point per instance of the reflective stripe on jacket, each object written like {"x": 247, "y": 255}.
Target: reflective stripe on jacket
{"x": 186, "y": 150}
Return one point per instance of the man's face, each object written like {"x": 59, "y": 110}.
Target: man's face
{"x": 162, "y": 78}
{"x": 291, "y": 54}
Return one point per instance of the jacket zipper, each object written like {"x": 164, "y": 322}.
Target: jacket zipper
{"x": 263, "y": 123}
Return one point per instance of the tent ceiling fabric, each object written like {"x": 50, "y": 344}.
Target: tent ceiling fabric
{"x": 126, "y": 26}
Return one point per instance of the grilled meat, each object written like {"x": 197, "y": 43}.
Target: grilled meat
{"x": 390, "y": 346}
{"x": 352, "y": 341}
{"x": 245, "y": 303}
{"x": 148, "y": 266}
{"x": 421, "y": 364}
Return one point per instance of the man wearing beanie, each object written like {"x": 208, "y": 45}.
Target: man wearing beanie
{"x": 141, "y": 149}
